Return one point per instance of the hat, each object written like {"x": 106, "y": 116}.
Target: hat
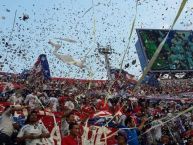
{"x": 122, "y": 133}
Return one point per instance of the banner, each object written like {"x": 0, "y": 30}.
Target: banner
{"x": 92, "y": 133}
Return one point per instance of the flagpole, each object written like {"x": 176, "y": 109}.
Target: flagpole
{"x": 106, "y": 51}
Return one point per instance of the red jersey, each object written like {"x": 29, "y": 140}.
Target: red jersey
{"x": 70, "y": 140}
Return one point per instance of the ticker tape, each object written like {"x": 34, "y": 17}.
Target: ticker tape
{"x": 126, "y": 50}
{"x": 160, "y": 123}
{"x": 14, "y": 20}
{"x": 131, "y": 32}
{"x": 154, "y": 57}
{"x": 152, "y": 61}
{"x": 94, "y": 30}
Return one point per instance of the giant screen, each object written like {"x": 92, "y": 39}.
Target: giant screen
{"x": 176, "y": 54}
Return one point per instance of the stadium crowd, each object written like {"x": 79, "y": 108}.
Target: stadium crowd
{"x": 140, "y": 119}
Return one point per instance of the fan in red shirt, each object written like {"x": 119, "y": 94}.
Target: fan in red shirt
{"x": 102, "y": 105}
{"x": 73, "y": 137}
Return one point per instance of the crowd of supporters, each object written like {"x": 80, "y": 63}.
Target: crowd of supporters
{"x": 131, "y": 119}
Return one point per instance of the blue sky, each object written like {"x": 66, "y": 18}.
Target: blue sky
{"x": 74, "y": 19}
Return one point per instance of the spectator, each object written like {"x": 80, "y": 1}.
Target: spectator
{"x": 7, "y": 125}
{"x": 69, "y": 104}
{"x": 33, "y": 132}
{"x": 72, "y": 138}
{"x": 31, "y": 100}
{"x": 121, "y": 138}
{"x": 165, "y": 140}
{"x": 16, "y": 98}
{"x": 133, "y": 133}
{"x": 68, "y": 118}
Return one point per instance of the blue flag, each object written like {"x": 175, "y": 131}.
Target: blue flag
{"x": 42, "y": 67}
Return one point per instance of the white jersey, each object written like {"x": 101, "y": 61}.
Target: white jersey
{"x": 36, "y": 130}
{"x": 6, "y": 123}
{"x": 69, "y": 104}
{"x": 31, "y": 101}
{"x": 54, "y": 103}
{"x": 15, "y": 99}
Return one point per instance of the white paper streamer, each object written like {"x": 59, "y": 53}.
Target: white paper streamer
{"x": 67, "y": 40}
{"x": 54, "y": 45}
{"x": 66, "y": 58}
